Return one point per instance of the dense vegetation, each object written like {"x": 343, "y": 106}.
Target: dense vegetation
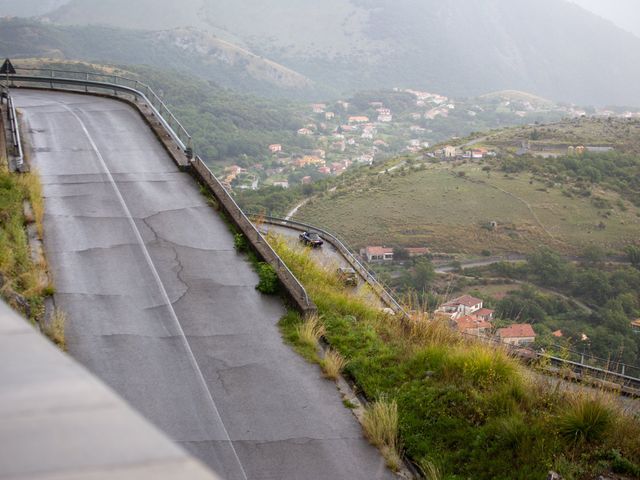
{"x": 464, "y": 409}
{"x": 579, "y": 174}
{"x": 612, "y": 294}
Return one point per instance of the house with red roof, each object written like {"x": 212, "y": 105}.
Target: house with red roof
{"x": 635, "y": 326}
{"x": 377, "y": 254}
{"x": 473, "y": 325}
{"x": 458, "y": 307}
{"x": 517, "y": 334}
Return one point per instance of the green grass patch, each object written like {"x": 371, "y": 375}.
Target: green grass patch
{"x": 23, "y": 281}
{"x": 468, "y": 406}
{"x": 450, "y": 213}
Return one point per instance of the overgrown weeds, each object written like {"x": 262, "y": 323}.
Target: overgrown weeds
{"x": 587, "y": 418}
{"x": 24, "y": 283}
{"x": 55, "y": 329}
{"x": 467, "y": 404}
{"x": 380, "y": 423}
{"x": 332, "y": 364}
{"x": 310, "y": 331}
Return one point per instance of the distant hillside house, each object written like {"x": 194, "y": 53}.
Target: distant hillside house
{"x": 306, "y": 180}
{"x": 305, "y": 131}
{"x": 275, "y": 148}
{"x": 385, "y": 118}
{"x": 282, "y": 184}
{"x": 377, "y": 254}
{"x": 450, "y": 151}
{"x": 358, "y": 119}
{"x": 635, "y": 326}
{"x": 318, "y": 107}
{"x": 517, "y": 334}
{"x": 472, "y": 325}
{"x": 329, "y": 115}
{"x": 461, "y": 306}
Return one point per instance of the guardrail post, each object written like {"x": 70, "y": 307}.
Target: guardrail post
{"x": 86, "y": 87}
{"x": 623, "y": 365}
{"x": 189, "y": 151}
{"x": 51, "y": 82}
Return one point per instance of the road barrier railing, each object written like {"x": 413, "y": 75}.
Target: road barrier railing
{"x": 14, "y": 126}
{"x": 87, "y": 82}
{"x": 259, "y": 243}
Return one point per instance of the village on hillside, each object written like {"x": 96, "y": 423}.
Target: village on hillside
{"x": 342, "y": 135}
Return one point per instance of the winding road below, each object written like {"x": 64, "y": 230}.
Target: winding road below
{"x": 162, "y": 308}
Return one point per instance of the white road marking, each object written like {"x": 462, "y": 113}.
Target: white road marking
{"x": 158, "y": 280}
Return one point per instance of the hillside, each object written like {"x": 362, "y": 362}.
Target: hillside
{"x": 183, "y": 49}
{"x": 459, "y": 48}
{"x": 567, "y": 203}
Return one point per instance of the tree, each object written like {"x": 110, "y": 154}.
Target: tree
{"x": 633, "y": 255}
{"x": 548, "y": 266}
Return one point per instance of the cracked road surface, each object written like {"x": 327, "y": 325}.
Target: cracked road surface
{"x": 163, "y": 309}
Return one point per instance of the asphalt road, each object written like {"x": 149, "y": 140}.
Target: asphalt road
{"x": 163, "y": 309}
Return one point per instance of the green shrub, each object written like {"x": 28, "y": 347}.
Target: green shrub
{"x": 585, "y": 420}
{"x": 240, "y": 242}
{"x": 619, "y": 464}
{"x": 269, "y": 282}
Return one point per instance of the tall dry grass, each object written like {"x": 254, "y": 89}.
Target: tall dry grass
{"x": 332, "y": 364}
{"x": 310, "y": 331}
{"x": 380, "y": 423}
{"x": 55, "y": 330}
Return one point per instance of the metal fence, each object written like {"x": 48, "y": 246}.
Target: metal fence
{"x": 90, "y": 82}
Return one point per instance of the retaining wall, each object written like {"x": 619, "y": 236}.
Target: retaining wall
{"x": 294, "y": 288}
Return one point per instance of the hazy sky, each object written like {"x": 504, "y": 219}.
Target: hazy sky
{"x": 624, "y": 13}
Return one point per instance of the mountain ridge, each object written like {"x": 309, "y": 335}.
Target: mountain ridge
{"x": 459, "y": 48}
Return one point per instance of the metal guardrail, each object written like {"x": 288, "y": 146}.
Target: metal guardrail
{"x": 348, "y": 254}
{"x": 251, "y": 232}
{"x": 88, "y": 82}
{"x": 15, "y": 132}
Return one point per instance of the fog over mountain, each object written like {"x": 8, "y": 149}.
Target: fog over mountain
{"x": 624, "y": 13}
{"x": 552, "y": 48}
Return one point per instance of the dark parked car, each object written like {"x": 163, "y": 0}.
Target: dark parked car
{"x": 311, "y": 239}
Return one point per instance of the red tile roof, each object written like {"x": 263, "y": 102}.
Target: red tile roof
{"x": 517, "y": 330}
{"x": 483, "y": 312}
{"x": 469, "y": 322}
{"x": 466, "y": 300}
{"x": 557, "y": 333}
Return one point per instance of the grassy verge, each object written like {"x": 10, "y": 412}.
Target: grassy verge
{"x": 459, "y": 409}
{"x": 24, "y": 282}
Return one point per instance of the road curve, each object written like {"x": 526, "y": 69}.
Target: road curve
{"x": 163, "y": 309}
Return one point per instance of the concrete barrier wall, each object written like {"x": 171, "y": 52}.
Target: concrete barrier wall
{"x": 294, "y": 288}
